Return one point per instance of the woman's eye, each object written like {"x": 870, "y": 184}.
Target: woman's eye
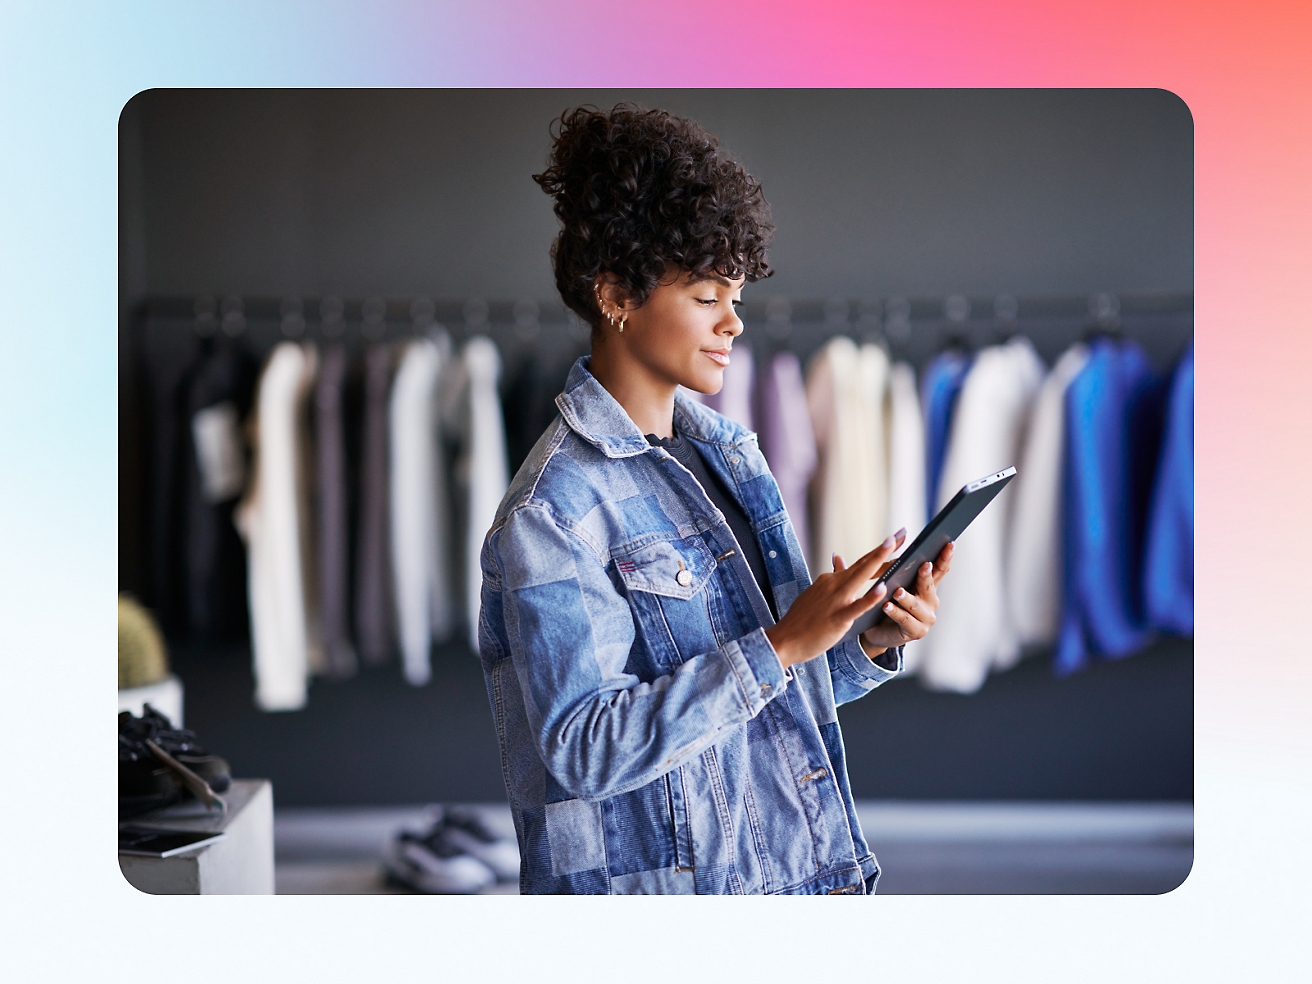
{"x": 706, "y": 300}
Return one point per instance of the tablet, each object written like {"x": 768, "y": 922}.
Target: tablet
{"x": 949, "y": 524}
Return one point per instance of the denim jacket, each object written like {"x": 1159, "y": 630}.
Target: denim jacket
{"x": 651, "y": 741}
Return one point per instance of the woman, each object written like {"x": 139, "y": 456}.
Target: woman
{"x": 662, "y": 671}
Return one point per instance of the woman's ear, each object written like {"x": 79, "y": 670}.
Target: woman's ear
{"x": 610, "y": 295}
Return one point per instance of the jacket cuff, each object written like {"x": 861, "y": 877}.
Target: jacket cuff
{"x": 862, "y": 670}
{"x": 760, "y": 674}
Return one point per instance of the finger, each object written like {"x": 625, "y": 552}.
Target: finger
{"x": 867, "y": 565}
{"x": 944, "y": 562}
{"x": 838, "y": 563}
{"x": 912, "y": 627}
{"x": 914, "y": 605}
{"x": 926, "y": 587}
{"x": 863, "y": 604}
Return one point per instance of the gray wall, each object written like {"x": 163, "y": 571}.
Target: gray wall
{"x": 875, "y": 192}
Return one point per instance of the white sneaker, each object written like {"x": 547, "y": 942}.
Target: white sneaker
{"x": 466, "y": 830}
{"x": 431, "y": 863}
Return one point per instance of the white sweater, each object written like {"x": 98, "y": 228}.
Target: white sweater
{"x": 973, "y": 631}
{"x": 488, "y": 472}
{"x": 1034, "y": 554}
{"x": 419, "y": 517}
{"x": 906, "y": 465}
{"x": 270, "y": 521}
{"x": 849, "y": 490}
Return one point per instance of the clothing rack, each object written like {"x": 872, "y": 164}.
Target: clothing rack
{"x": 913, "y": 328}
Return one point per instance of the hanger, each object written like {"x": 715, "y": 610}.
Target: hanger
{"x": 373, "y": 319}
{"x": 1006, "y": 311}
{"x": 1104, "y": 318}
{"x": 955, "y": 334}
{"x": 207, "y": 321}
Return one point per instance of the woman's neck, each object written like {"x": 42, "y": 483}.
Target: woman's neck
{"x": 646, "y": 398}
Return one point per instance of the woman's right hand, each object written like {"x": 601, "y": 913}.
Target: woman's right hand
{"x": 823, "y": 613}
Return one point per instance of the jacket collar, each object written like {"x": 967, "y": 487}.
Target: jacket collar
{"x": 597, "y": 417}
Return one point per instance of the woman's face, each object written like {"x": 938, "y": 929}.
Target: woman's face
{"x": 683, "y": 334}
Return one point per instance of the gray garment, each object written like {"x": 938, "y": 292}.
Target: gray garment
{"x": 373, "y": 596}
{"x": 331, "y": 479}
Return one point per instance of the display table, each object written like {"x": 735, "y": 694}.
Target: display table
{"x": 239, "y": 864}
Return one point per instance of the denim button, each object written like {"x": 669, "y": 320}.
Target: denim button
{"x": 773, "y": 554}
{"x": 733, "y": 459}
{"x": 684, "y": 578}
{"x": 766, "y": 690}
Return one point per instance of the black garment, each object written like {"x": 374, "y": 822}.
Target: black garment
{"x": 687, "y": 455}
{"x": 373, "y": 587}
{"x": 215, "y": 556}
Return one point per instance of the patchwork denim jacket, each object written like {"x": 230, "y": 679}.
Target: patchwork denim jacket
{"x": 651, "y": 741}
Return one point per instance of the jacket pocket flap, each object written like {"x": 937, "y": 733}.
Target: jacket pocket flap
{"x": 662, "y": 568}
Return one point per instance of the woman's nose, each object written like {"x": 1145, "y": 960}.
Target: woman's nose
{"x": 732, "y": 325}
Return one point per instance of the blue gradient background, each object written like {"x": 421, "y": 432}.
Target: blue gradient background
{"x": 66, "y": 69}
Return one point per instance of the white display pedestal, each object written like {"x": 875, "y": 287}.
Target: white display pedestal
{"x": 239, "y": 864}
{"x": 165, "y": 697}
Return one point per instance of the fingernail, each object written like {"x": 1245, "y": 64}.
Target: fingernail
{"x": 899, "y": 593}
{"x": 888, "y": 543}
{"x": 888, "y": 607}
{"x": 900, "y": 533}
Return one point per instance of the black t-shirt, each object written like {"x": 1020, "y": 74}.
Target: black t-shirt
{"x": 687, "y": 455}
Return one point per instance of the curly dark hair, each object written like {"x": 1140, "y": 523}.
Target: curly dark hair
{"x": 638, "y": 190}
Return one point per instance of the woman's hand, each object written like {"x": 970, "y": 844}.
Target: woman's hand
{"x": 824, "y": 612}
{"x": 909, "y": 615}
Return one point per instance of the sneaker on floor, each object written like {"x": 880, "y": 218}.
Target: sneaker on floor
{"x": 466, "y": 830}
{"x": 430, "y": 863}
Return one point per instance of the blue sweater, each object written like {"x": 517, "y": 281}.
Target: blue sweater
{"x": 1168, "y": 570}
{"x": 1113, "y": 430}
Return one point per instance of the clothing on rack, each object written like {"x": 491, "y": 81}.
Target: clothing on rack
{"x": 849, "y": 490}
{"x": 269, "y": 521}
{"x": 170, "y": 378}
{"x": 219, "y": 396}
{"x": 481, "y": 469}
{"x": 333, "y": 528}
{"x": 973, "y": 632}
{"x": 1113, "y": 429}
{"x": 1034, "y": 546}
{"x": 787, "y": 439}
{"x": 939, "y": 386}
{"x": 1168, "y": 570}
{"x": 419, "y": 516}
{"x": 906, "y": 453}
{"x": 373, "y": 582}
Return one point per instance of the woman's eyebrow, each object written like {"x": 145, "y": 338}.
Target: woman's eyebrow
{"x": 710, "y": 277}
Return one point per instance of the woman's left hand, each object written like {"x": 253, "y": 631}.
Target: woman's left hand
{"x": 909, "y": 616}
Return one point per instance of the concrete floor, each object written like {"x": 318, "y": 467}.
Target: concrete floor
{"x": 923, "y": 847}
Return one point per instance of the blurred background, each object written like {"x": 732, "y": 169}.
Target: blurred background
{"x": 917, "y": 222}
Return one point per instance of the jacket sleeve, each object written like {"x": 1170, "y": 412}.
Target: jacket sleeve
{"x": 600, "y": 730}
{"x": 854, "y": 674}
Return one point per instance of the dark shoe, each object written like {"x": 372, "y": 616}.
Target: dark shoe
{"x": 146, "y": 783}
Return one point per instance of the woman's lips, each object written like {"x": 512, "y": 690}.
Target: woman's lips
{"x": 720, "y": 356}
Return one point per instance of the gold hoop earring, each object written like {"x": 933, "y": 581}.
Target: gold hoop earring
{"x": 623, "y": 319}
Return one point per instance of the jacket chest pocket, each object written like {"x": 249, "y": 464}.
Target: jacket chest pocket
{"x": 669, "y": 590}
